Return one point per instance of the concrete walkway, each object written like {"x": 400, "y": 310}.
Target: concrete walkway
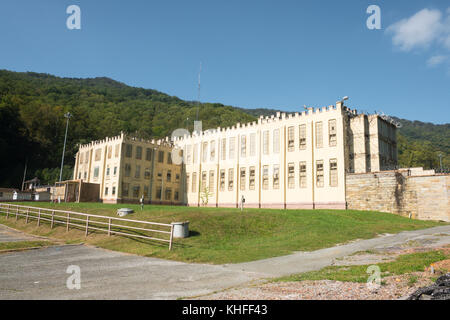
{"x": 41, "y": 274}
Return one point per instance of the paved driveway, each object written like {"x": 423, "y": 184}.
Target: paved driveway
{"x": 41, "y": 273}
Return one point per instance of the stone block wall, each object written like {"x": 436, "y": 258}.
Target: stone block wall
{"x": 424, "y": 197}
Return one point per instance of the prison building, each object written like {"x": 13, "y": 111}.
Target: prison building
{"x": 286, "y": 161}
{"x": 127, "y": 168}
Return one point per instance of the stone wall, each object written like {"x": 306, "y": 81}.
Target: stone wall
{"x": 424, "y": 197}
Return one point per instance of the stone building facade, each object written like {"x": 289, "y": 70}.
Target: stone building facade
{"x": 128, "y": 168}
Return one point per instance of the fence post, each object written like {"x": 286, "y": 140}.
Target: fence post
{"x": 39, "y": 217}
{"x": 26, "y": 220}
{"x": 87, "y": 226}
{"x": 53, "y": 214}
{"x": 68, "y": 221}
{"x": 171, "y": 237}
{"x": 17, "y": 212}
{"x": 7, "y": 212}
{"x": 109, "y": 227}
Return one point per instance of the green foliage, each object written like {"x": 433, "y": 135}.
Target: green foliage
{"x": 50, "y": 176}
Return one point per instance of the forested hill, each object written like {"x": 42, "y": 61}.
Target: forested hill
{"x": 32, "y": 122}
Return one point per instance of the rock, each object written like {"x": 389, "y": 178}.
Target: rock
{"x": 122, "y": 212}
{"x": 440, "y": 290}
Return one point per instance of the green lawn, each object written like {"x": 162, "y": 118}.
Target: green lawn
{"x": 23, "y": 244}
{"x": 403, "y": 264}
{"x": 221, "y": 235}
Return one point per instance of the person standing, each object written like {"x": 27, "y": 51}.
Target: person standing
{"x": 142, "y": 202}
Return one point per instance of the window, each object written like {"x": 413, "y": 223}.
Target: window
{"x": 232, "y": 147}
{"x": 195, "y": 154}
{"x": 319, "y": 135}
{"x": 159, "y": 176}
{"x": 291, "y": 175}
{"x": 243, "y": 146}
{"x": 148, "y": 154}
{"x": 106, "y": 191}
{"x": 137, "y": 174}
{"x": 242, "y": 180}
{"x": 188, "y": 154}
{"x": 169, "y": 157}
{"x": 194, "y": 182}
{"x": 211, "y": 181}
{"x": 125, "y": 189}
{"x": 98, "y": 154}
{"x": 319, "y": 173}
{"x": 176, "y": 196}
{"x": 332, "y": 132}
{"x": 333, "y": 173}
{"x": 136, "y": 191}
{"x": 145, "y": 191}
{"x": 276, "y": 141}
{"x": 177, "y": 177}
{"x": 187, "y": 182}
{"x": 302, "y": 170}
{"x": 160, "y": 156}
{"x": 223, "y": 152}
{"x": 302, "y": 136}
{"x": 127, "y": 170}
{"x": 222, "y": 180}
{"x": 252, "y": 144}
{"x": 230, "y": 179}
{"x": 109, "y": 152}
{"x": 291, "y": 139}
{"x": 159, "y": 192}
{"x": 147, "y": 173}
{"x": 212, "y": 150}
{"x": 168, "y": 194}
{"x": 169, "y": 176}
{"x": 87, "y": 157}
{"x": 96, "y": 169}
{"x": 116, "y": 150}
{"x": 204, "y": 151}
{"x": 81, "y": 157}
{"x": 128, "y": 150}
{"x": 203, "y": 182}
{"x": 251, "y": 180}
{"x": 139, "y": 153}
{"x": 276, "y": 176}
{"x": 85, "y": 175}
{"x": 107, "y": 171}
{"x": 113, "y": 191}
{"x": 266, "y": 142}
{"x": 265, "y": 178}
{"x": 79, "y": 175}
{"x": 115, "y": 171}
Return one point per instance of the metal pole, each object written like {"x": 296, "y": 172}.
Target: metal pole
{"x": 67, "y": 115}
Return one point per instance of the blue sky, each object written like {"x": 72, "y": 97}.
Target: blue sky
{"x": 254, "y": 53}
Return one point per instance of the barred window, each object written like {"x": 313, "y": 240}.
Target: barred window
{"x": 302, "y": 136}
{"x": 125, "y": 189}
{"x": 106, "y": 191}
{"x": 203, "y": 186}
{"x": 160, "y": 156}
{"x": 276, "y": 176}
{"x": 148, "y": 154}
{"x": 319, "y": 135}
{"x": 333, "y": 173}
{"x": 107, "y": 171}
{"x": 212, "y": 150}
{"x": 169, "y": 176}
{"x": 252, "y": 144}
{"x": 128, "y": 150}
{"x": 232, "y": 147}
{"x": 291, "y": 139}
{"x": 159, "y": 192}
{"x": 291, "y": 176}
{"x": 127, "y": 170}
{"x": 176, "y": 196}
{"x": 266, "y": 142}
{"x": 222, "y": 180}
{"x": 204, "y": 151}
{"x": 113, "y": 192}
{"x": 211, "y": 181}
{"x": 276, "y": 141}
{"x": 136, "y": 191}
{"x": 147, "y": 173}
{"x": 265, "y": 178}
{"x": 138, "y": 152}
{"x": 169, "y": 157}
{"x": 302, "y": 170}
{"x": 332, "y": 132}
{"x": 230, "y": 179}
{"x": 242, "y": 180}
{"x": 137, "y": 174}
{"x": 319, "y": 173}
{"x": 194, "y": 182}
{"x": 243, "y": 146}
{"x": 251, "y": 180}
{"x": 223, "y": 151}
{"x": 168, "y": 194}
{"x": 96, "y": 172}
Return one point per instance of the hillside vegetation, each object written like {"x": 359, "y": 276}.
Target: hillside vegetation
{"x": 32, "y": 122}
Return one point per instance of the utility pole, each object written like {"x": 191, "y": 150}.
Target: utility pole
{"x": 198, "y": 95}
{"x": 24, "y": 174}
{"x": 68, "y": 116}
{"x": 440, "y": 161}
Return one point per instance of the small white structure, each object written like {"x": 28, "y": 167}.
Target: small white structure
{"x": 180, "y": 229}
{"x": 6, "y": 194}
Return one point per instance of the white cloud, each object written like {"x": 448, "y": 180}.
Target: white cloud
{"x": 418, "y": 31}
{"x": 435, "y": 60}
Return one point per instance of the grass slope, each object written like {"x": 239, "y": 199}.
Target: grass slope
{"x": 222, "y": 235}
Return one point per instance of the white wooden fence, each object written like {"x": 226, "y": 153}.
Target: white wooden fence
{"x": 110, "y": 225}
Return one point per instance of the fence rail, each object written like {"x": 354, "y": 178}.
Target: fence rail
{"x": 111, "y": 225}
